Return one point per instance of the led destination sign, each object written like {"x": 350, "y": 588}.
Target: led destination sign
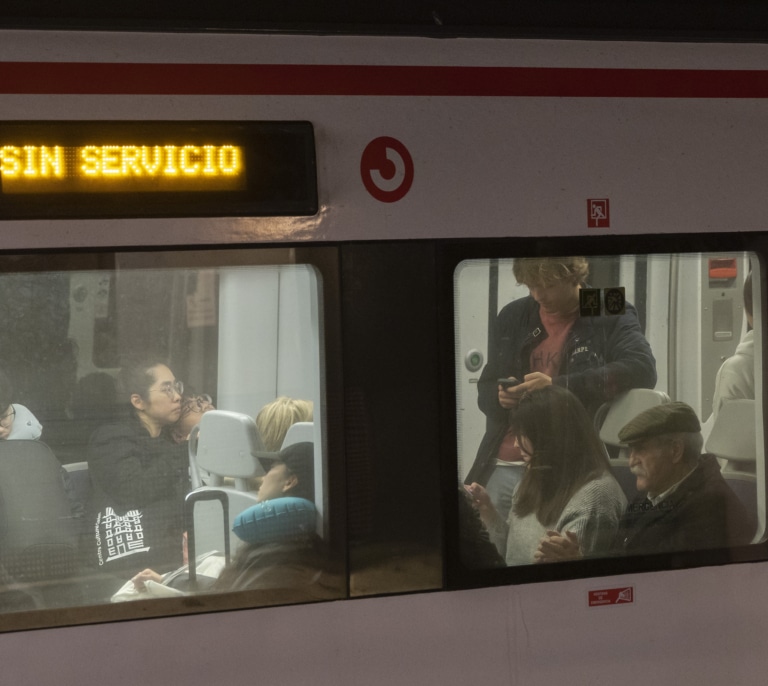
{"x": 146, "y": 169}
{"x": 116, "y": 168}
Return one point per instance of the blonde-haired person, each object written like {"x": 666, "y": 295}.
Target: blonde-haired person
{"x": 542, "y": 340}
{"x": 550, "y": 270}
{"x": 275, "y": 418}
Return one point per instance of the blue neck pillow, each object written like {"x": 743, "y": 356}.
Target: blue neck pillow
{"x": 281, "y": 519}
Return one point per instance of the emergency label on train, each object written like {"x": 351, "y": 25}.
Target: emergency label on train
{"x": 612, "y": 596}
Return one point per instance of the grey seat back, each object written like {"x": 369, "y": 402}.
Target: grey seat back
{"x": 224, "y": 445}
{"x": 733, "y": 435}
{"x": 733, "y": 439}
{"x": 38, "y": 531}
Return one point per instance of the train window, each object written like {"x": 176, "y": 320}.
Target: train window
{"x": 161, "y": 408}
{"x": 608, "y": 407}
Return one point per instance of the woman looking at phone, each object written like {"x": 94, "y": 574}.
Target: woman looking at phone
{"x": 567, "y": 485}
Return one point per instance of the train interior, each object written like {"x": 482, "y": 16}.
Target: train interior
{"x": 247, "y": 334}
{"x": 702, "y": 320}
{"x": 244, "y": 336}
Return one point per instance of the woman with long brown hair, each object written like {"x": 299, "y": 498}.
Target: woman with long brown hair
{"x": 567, "y": 486}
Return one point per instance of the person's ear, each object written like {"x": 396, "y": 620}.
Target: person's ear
{"x": 677, "y": 448}
{"x": 291, "y": 482}
{"x": 137, "y": 401}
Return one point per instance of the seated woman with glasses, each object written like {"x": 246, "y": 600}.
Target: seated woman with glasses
{"x": 139, "y": 475}
{"x": 16, "y": 421}
{"x": 567, "y": 486}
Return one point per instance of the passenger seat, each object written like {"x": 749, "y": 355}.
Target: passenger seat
{"x": 39, "y": 535}
{"x": 733, "y": 439}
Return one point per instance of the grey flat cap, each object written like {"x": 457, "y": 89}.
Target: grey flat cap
{"x": 663, "y": 419}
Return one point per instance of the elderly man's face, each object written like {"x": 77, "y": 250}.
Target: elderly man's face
{"x": 653, "y": 461}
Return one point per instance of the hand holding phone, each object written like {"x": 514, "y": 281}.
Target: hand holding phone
{"x": 508, "y": 399}
{"x": 507, "y": 383}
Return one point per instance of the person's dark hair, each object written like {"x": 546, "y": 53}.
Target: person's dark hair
{"x": 136, "y": 377}
{"x": 6, "y": 391}
{"x": 567, "y": 451}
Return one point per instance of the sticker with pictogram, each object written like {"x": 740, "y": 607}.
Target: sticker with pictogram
{"x": 589, "y": 302}
{"x": 612, "y": 596}
{"x": 386, "y": 168}
{"x": 615, "y": 300}
{"x": 598, "y": 213}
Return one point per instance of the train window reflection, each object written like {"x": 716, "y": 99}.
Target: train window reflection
{"x": 608, "y": 406}
{"x": 153, "y": 417}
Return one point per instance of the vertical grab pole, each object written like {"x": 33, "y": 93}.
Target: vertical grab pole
{"x": 189, "y": 519}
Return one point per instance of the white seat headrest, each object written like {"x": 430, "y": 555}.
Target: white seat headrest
{"x": 625, "y": 408}
{"x": 300, "y": 432}
{"x": 228, "y": 444}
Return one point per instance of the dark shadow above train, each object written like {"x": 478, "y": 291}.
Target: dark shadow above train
{"x": 712, "y": 20}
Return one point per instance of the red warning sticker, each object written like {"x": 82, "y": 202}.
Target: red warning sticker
{"x": 598, "y": 213}
{"x": 612, "y": 596}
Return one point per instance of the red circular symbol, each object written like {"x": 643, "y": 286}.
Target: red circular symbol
{"x": 387, "y": 169}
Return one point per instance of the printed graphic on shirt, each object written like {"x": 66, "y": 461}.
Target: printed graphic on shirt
{"x": 123, "y": 535}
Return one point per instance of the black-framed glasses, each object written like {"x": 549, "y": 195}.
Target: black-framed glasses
{"x": 6, "y": 421}
{"x": 170, "y": 388}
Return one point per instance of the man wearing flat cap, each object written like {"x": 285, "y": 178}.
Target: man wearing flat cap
{"x": 685, "y": 504}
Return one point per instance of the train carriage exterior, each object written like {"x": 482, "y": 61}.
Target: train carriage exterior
{"x": 427, "y": 167}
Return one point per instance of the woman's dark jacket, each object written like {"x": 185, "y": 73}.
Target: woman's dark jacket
{"x": 603, "y": 357}
{"x": 133, "y": 472}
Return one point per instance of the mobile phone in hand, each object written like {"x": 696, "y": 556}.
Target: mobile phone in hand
{"x": 506, "y": 384}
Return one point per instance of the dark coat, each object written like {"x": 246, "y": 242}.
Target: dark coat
{"x": 289, "y": 571}
{"x": 477, "y": 550}
{"x": 131, "y": 471}
{"x": 603, "y": 357}
{"x": 702, "y": 513}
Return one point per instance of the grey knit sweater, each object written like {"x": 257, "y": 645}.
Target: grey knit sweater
{"x": 592, "y": 513}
